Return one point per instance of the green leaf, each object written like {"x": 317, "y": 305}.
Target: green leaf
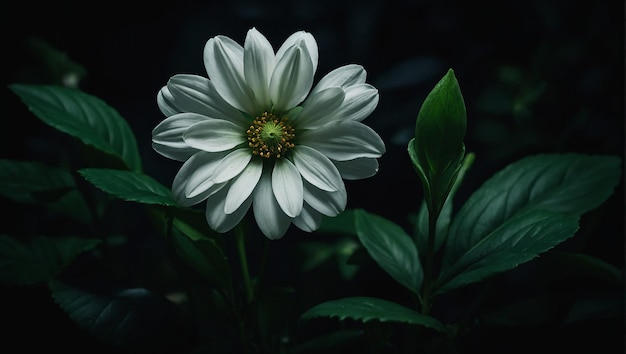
{"x": 82, "y": 116}
{"x": 340, "y": 224}
{"x": 518, "y": 240}
{"x": 445, "y": 216}
{"x": 562, "y": 264}
{"x": 134, "y": 320}
{"x": 390, "y": 246}
{"x": 205, "y": 256}
{"x": 129, "y": 186}
{"x": 367, "y": 308}
{"x": 437, "y": 148}
{"x": 35, "y": 183}
{"x": 563, "y": 183}
{"x": 39, "y": 258}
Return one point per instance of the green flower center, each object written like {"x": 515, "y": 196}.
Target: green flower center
{"x": 270, "y": 136}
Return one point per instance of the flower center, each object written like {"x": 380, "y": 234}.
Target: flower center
{"x": 270, "y": 136}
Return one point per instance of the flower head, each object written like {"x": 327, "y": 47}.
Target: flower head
{"x": 255, "y": 134}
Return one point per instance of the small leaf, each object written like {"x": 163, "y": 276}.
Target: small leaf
{"x": 38, "y": 259}
{"x": 367, "y": 308}
{"x": 82, "y": 116}
{"x": 518, "y": 240}
{"x": 437, "y": 149}
{"x": 134, "y": 320}
{"x": 390, "y": 246}
{"x": 35, "y": 183}
{"x": 564, "y": 183}
{"x": 129, "y": 186}
{"x": 205, "y": 256}
{"x": 445, "y": 216}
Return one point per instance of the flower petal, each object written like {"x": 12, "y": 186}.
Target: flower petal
{"x": 297, "y": 37}
{"x": 258, "y": 64}
{"x": 223, "y": 60}
{"x": 309, "y": 219}
{"x": 193, "y": 181}
{"x": 166, "y": 103}
{"x": 319, "y": 107}
{"x": 268, "y": 214}
{"x": 242, "y": 186}
{"x": 358, "y": 168}
{"x": 217, "y": 219}
{"x": 287, "y": 187}
{"x": 360, "y": 102}
{"x": 317, "y": 169}
{"x": 232, "y": 165}
{"x": 345, "y": 76}
{"x": 292, "y": 78}
{"x": 214, "y": 135}
{"x": 197, "y": 94}
{"x": 327, "y": 203}
{"x": 346, "y": 141}
{"x": 167, "y": 136}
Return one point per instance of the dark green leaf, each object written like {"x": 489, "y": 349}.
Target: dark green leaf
{"x": 390, "y": 246}
{"x": 564, "y": 183}
{"x": 440, "y": 125}
{"x": 518, "y": 240}
{"x": 368, "y": 308}
{"x": 445, "y": 216}
{"x": 340, "y": 224}
{"x": 437, "y": 148}
{"x": 36, "y": 183}
{"x": 568, "y": 264}
{"x": 205, "y": 256}
{"x": 134, "y": 320}
{"x": 38, "y": 259}
{"x": 82, "y": 116}
{"x": 128, "y": 185}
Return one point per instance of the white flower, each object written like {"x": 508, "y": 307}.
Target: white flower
{"x": 256, "y": 134}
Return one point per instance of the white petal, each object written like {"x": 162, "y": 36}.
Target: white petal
{"x": 241, "y": 188}
{"x": 327, "y": 203}
{"x": 166, "y": 103}
{"x": 193, "y": 93}
{"x": 360, "y": 102}
{"x": 346, "y": 141}
{"x": 269, "y": 216}
{"x": 297, "y": 37}
{"x": 287, "y": 186}
{"x": 217, "y": 219}
{"x": 316, "y": 168}
{"x": 357, "y": 169}
{"x": 223, "y": 60}
{"x": 345, "y": 76}
{"x": 193, "y": 180}
{"x": 309, "y": 219}
{"x": 318, "y": 108}
{"x": 232, "y": 165}
{"x": 214, "y": 135}
{"x": 258, "y": 64}
{"x": 167, "y": 136}
{"x": 292, "y": 78}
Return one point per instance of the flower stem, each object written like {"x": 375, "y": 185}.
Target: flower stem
{"x": 428, "y": 264}
{"x": 241, "y": 248}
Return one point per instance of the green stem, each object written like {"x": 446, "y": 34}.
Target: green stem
{"x": 241, "y": 248}
{"x": 429, "y": 263}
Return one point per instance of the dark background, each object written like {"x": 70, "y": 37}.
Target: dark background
{"x": 537, "y": 76}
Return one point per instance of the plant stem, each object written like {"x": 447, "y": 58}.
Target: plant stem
{"x": 241, "y": 248}
{"x": 429, "y": 262}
